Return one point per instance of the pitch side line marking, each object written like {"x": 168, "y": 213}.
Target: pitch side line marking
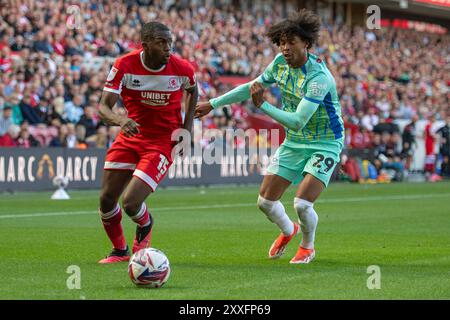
{"x": 235, "y": 205}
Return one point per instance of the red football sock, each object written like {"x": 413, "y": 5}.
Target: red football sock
{"x": 113, "y": 227}
{"x": 142, "y": 218}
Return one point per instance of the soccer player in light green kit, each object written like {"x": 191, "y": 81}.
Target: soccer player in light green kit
{"x": 311, "y": 114}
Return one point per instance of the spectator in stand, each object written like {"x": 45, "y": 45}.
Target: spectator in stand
{"x": 71, "y": 136}
{"x": 2, "y": 99}
{"x": 445, "y": 168}
{"x": 13, "y": 103}
{"x": 113, "y": 132}
{"x": 5, "y": 120}
{"x": 41, "y": 43}
{"x": 48, "y": 113}
{"x": 408, "y": 141}
{"x": 444, "y": 137}
{"x": 444, "y": 146}
{"x": 358, "y": 136}
{"x": 387, "y": 125}
{"x": 361, "y": 138}
{"x": 5, "y": 60}
{"x": 88, "y": 121}
{"x": 430, "y": 156}
{"x": 25, "y": 140}
{"x": 9, "y": 139}
{"x": 61, "y": 139}
{"x": 98, "y": 140}
{"x": 351, "y": 168}
{"x": 370, "y": 120}
{"x": 387, "y": 156}
{"x": 58, "y": 107}
{"x": 19, "y": 44}
{"x": 80, "y": 131}
{"x": 73, "y": 110}
{"x": 29, "y": 112}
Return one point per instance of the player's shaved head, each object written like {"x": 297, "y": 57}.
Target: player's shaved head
{"x": 305, "y": 24}
{"x": 153, "y": 30}
{"x": 156, "y": 40}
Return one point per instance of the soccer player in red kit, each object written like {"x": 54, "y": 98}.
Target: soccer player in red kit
{"x": 430, "y": 156}
{"x": 150, "y": 81}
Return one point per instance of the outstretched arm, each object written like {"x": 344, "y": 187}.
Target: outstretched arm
{"x": 305, "y": 110}
{"x": 238, "y": 94}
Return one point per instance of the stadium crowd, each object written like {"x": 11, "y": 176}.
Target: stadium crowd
{"x": 49, "y": 90}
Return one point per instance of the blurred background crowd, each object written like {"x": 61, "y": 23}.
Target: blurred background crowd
{"x": 54, "y": 59}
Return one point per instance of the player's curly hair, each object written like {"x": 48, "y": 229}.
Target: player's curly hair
{"x": 149, "y": 30}
{"x": 304, "y": 24}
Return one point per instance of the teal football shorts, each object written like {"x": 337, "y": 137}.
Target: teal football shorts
{"x": 293, "y": 161}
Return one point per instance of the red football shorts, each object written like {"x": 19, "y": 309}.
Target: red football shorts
{"x": 149, "y": 160}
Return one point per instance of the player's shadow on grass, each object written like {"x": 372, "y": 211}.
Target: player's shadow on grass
{"x": 263, "y": 266}
{"x": 153, "y": 292}
{"x": 283, "y": 265}
{"x": 164, "y": 288}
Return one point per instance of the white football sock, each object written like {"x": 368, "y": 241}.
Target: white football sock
{"x": 276, "y": 213}
{"x": 308, "y": 221}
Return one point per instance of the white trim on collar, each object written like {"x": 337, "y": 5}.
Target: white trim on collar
{"x": 147, "y": 68}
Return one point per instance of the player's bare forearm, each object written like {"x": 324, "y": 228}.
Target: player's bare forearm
{"x": 129, "y": 127}
{"x": 191, "y": 102}
{"x": 105, "y": 112}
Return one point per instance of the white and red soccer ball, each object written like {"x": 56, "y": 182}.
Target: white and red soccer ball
{"x": 149, "y": 267}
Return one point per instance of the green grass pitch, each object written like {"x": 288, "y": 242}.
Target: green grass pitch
{"x": 217, "y": 242}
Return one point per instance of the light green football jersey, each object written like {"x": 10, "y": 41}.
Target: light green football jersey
{"x": 315, "y": 83}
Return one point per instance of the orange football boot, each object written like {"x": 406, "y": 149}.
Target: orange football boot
{"x": 303, "y": 255}
{"x": 279, "y": 245}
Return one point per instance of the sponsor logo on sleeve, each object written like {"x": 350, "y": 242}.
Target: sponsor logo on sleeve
{"x": 317, "y": 89}
{"x": 112, "y": 74}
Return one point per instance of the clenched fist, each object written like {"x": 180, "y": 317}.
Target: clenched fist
{"x": 202, "y": 109}
{"x": 129, "y": 127}
{"x": 257, "y": 93}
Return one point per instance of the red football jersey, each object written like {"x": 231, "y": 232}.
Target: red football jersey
{"x": 429, "y": 140}
{"x": 151, "y": 97}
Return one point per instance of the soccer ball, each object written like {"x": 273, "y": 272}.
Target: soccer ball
{"x": 60, "y": 181}
{"x": 149, "y": 267}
